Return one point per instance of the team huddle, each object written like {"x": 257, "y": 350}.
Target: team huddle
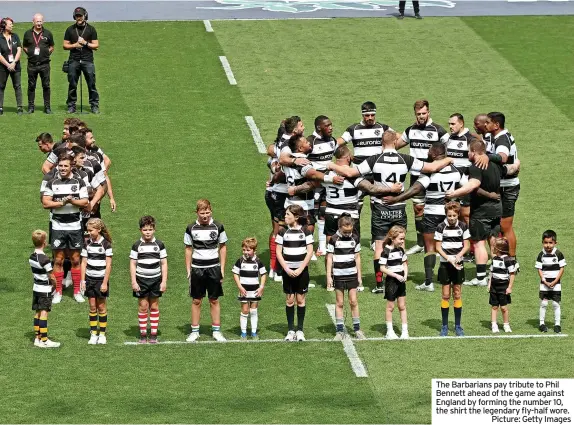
{"x": 464, "y": 187}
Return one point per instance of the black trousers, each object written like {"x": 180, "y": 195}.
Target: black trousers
{"x": 89, "y": 70}
{"x": 402, "y": 5}
{"x": 16, "y": 77}
{"x": 42, "y": 70}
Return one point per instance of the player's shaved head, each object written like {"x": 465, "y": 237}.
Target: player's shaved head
{"x": 389, "y": 139}
{"x": 437, "y": 150}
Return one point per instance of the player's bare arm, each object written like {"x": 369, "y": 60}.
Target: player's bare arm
{"x": 408, "y": 194}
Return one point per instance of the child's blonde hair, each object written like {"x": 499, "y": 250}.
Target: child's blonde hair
{"x": 393, "y": 233}
{"x": 39, "y": 238}
{"x": 99, "y": 224}
{"x": 250, "y": 243}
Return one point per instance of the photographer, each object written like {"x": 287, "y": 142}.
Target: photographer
{"x": 38, "y": 43}
{"x": 81, "y": 39}
{"x": 10, "y": 52}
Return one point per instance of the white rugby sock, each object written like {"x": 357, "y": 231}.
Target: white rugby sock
{"x": 254, "y": 320}
{"x": 243, "y": 322}
{"x": 543, "y": 305}
{"x": 322, "y": 236}
{"x": 556, "y": 313}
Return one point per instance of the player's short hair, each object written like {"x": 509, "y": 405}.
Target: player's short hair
{"x": 203, "y": 204}
{"x": 293, "y": 142}
{"x": 65, "y": 156}
{"x": 458, "y": 116}
{"x": 497, "y": 117}
{"x": 501, "y": 246}
{"x": 78, "y": 138}
{"x": 74, "y": 122}
{"x": 438, "y": 149}
{"x": 389, "y": 136}
{"x": 320, "y": 119}
{"x": 77, "y": 150}
{"x": 452, "y": 206}
{"x": 44, "y": 138}
{"x": 477, "y": 146}
{"x": 342, "y": 151}
{"x": 368, "y": 107}
{"x": 147, "y": 220}
{"x": 549, "y": 234}
{"x": 345, "y": 221}
{"x": 291, "y": 123}
{"x": 419, "y": 104}
{"x": 250, "y": 243}
{"x": 39, "y": 238}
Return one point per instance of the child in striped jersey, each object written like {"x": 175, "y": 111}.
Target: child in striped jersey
{"x": 294, "y": 251}
{"x": 502, "y": 272}
{"x": 148, "y": 272}
{"x": 95, "y": 276}
{"x": 452, "y": 243}
{"x": 344, "y": 273}
{"x": 246, "y": 273}
{"x": 44, "y": 283}
{"x": 394, "y": 266}
{"x": 550, "y": 264}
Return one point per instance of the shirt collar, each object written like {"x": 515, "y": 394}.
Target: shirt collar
{"x": 503, "y": 132}
{"x": 99, "y": 240}
{"x": 389, "y": 150}
{"x": 551, "y": 252}
{"x": 152, "y": 240}
{"x": 254, "y": 258}
{"x": 199, "y": 224}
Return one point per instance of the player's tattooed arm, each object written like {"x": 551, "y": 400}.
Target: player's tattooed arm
{"x": 373, "y": 189}
{"x": 303, "y": 188}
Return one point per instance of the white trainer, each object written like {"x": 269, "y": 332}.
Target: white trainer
{"x": 391, "y": 335}
{"x": 339, "y": 336}
{"x": 278, "y": 278}
{"x": 360, "y": 288}
{"x": 506, "y": 327}
{"x": 300, "y": 336}
{"x": 192, "y": 337}
{"x": 93, "y": 339}
{"x": 37, "y": 342}
{"x": 360, "y": 334}
{"x": 482, "y": 282}
{"x": 330, "y": 288}
{"x": 102, "y": 340}
{"x": 57, "y": 298}
{"x": 311, "y": 285}
{"x": 49, "y": 344}
{"x": 290, "y": 336}
{"x": 314, "y": 257}
{"x": 404, "y": 335}
{"x": 414, "y": 250}
{"x": 78, "y": 297}
{"x": 495, "y": 329}
{"x": 471, "y": 282}
{"x": 218, "y": 336}
{"x": 271, "y": 273}
{"x": 67, "y": 282}
{"x": 423, "y": 287}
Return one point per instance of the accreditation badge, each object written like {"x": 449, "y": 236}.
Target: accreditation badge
{"x": 36, "y": 51}
{"x": 10, "y": 58}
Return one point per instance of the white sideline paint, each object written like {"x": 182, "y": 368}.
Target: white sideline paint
{"x": 256, "y": 135}
{"x": 208, "y": 26}
{"x": 356, "y": 362}
{"x": 413, "y": 338}
{"x": 227, "y": 69}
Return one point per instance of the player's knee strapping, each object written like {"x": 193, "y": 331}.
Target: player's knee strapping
{"x": 429, "y": 263}
{"x": 481, "y": 271}
{"x": 444, "y": 303}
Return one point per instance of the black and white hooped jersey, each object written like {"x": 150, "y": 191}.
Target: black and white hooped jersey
{"x": 421, "y": 137}
{"x": 451, "y": 237}
{"x": 500, "y": 270}
{"x": 437, "y": 184}
{"x": 295, "y": 177}
{"x": 388, "y": 168}
{"x": 322, "y": 151}
{"x": 205, "y": 241}
{"x": 394, "y": 259}
{"x": 41, "y": 268}
{"x": 504, "y": 143}
{"x": 294, "y": 241}
{"x": 98, "y": 153}
{"x": 343, "y": 198}
{"x": 249, "y": 271}
{"x": 96, "y": 169}
{"x": 344, "y": 249}
{"x": 96, "y": 252}
{"x": 58, "y": 149}
{"x": 457, "y": 149}
{"x": 281, "y": 186}
{"x": 487, "y": 140}
{"x": 367, "y": 139}
{"x": 550, "y": 264}
{"x": 68, "y": 216}
{"x": 148, "y": 256}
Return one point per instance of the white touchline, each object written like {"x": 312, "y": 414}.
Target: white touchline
{"x": 227, "y": 69}
{"x": 208, "y": 26}
{"x": 256, "y": 136}
{"x": 382, "y": 338}
{"x": 356, "y": 362}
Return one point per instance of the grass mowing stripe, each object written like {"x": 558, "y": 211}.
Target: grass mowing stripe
{"x": 256, "y": 136}
{"x": 356, "y": 362}
{"x": 228, "y": 71}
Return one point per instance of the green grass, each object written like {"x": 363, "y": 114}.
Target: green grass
{"x": 175, "y": 131}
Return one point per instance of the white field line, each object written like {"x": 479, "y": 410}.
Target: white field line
{"x": 227, "y": 69}
{"x": 356, "y": 362}
{"x": 415, "y": 338}
{"x": 208, "y": 26}
{"x": 256, "y": 135}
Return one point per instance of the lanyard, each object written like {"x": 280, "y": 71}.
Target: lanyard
{"x": 37, "y": 41}
{"x": 9, "y": 43}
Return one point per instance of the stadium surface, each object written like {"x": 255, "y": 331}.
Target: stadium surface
{"x": 275, "y": 9}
